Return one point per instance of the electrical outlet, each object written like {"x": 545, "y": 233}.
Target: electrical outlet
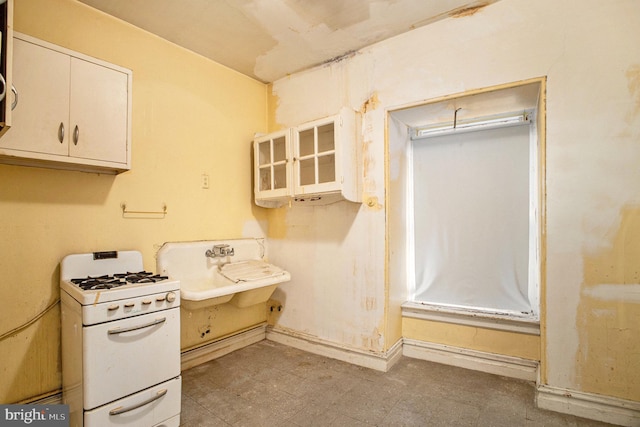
{"x": 204, "y": 181}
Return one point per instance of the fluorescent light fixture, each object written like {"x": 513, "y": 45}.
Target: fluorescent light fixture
{"x": 467, "y": 125}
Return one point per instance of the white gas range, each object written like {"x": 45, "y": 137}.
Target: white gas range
{"x": 120, "y": 341}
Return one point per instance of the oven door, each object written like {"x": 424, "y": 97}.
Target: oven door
{"x": 129, "y": 355}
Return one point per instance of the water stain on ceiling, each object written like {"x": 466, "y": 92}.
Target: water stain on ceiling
{"x": 268, "y": 39}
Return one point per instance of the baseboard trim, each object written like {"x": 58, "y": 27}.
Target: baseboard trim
{"x": 207, "y": 352}
{"x": 508, "y": 366}
{"x": 54, "y": 398}
{"x": 378, "y": 361}
{"x": 597, "y": 407}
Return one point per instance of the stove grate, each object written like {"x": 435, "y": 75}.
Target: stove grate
{"x": 119, "y": 279}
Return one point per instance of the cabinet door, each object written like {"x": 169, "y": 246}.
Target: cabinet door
{"x": 316, "y": 156}
{"x": 6, "y": 63}
{"x": 272, "y": 166}
{"x": 40, "y": 119}
{"x": 98, "y": 115}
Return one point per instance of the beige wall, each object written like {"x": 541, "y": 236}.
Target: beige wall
{"x": 588, "y": 52}
{"x": 190, "y": 116}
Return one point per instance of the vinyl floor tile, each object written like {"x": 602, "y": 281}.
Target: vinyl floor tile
{"x": 269, "y": 384}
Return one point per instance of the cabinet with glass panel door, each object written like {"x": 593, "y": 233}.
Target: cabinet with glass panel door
{"x": 314, "y": 163}
{"x": 272, "y": 168}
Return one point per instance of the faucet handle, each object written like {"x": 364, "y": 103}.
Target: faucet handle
{"x": 220, "y": 251}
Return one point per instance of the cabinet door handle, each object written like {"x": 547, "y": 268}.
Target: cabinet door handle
{"x": 61, "y": 132}
{"x": 14, "y": 104}
{"x": 76, "y": 135}
{"x": 4, "y": 87}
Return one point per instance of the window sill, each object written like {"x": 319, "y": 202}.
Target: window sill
{"x": 522, "y": 324}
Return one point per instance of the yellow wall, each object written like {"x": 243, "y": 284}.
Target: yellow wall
{"x": 608, "y": 317}
{"x": 198, "y": 327}
{"x": 190, "y": 116}
{"x": 471, "y": 337}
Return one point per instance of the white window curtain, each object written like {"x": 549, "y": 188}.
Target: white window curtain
{"x": 471, "y": 212}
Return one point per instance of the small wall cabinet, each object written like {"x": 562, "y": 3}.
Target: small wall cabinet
{"x": 272, "y": 166}
{"x": 73, "y": 111}
{"x": 314, "y": 163}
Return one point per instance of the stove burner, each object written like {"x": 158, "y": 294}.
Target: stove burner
{"x": 115, "y": 280}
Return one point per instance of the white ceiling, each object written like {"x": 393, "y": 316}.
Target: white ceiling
{"x": 268, "y": 39}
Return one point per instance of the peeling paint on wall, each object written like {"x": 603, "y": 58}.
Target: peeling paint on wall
{"x": 633, "y": 83}
{"x": 615, "y": 292}
{"x": 273, "y": 101}
{"x": 369, "y": 303}
{"x": 199, "y": 327}
{"x": 368, "y": 165}
{"x": 370, "y": 104}
{"x": 368, "y": 158}
{"x": 609, "y": 315}
{"x": 372, "y": 342}
{"x": 468, "y": 11}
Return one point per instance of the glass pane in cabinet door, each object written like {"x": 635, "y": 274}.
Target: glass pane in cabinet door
{"x": 265, "y": 179}
{"x": 307, "y": 172}
{"x": 279, "y": 176}
{"x": 264, "y": 153}
{"x": 327, "y": 168}
{"x": 326, "y": 139}
{"x": 279, "y": 149}
{"x": 306, "y": 145}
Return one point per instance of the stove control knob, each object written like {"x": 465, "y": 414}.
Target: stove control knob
{"x": 171, "y": 297}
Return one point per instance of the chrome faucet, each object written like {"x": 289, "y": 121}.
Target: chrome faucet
{"x": 219, "y": 251}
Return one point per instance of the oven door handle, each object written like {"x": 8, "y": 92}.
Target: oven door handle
{"x": 120, "y": 410}
{"x": 135, "y": 328}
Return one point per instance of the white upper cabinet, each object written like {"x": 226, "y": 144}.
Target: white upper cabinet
{"x": 313, "y": 163}
{"x": 73, "y": 111}
{"x": 272, "y": 166}
{"x": 41, "y": 117}
{"x": 100, "y": 130}
{"x": 6, "y": 69}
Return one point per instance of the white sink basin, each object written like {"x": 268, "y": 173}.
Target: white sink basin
{"x": 243, "y": 279}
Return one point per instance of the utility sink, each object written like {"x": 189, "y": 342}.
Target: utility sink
{"x": 237, "y": 274}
